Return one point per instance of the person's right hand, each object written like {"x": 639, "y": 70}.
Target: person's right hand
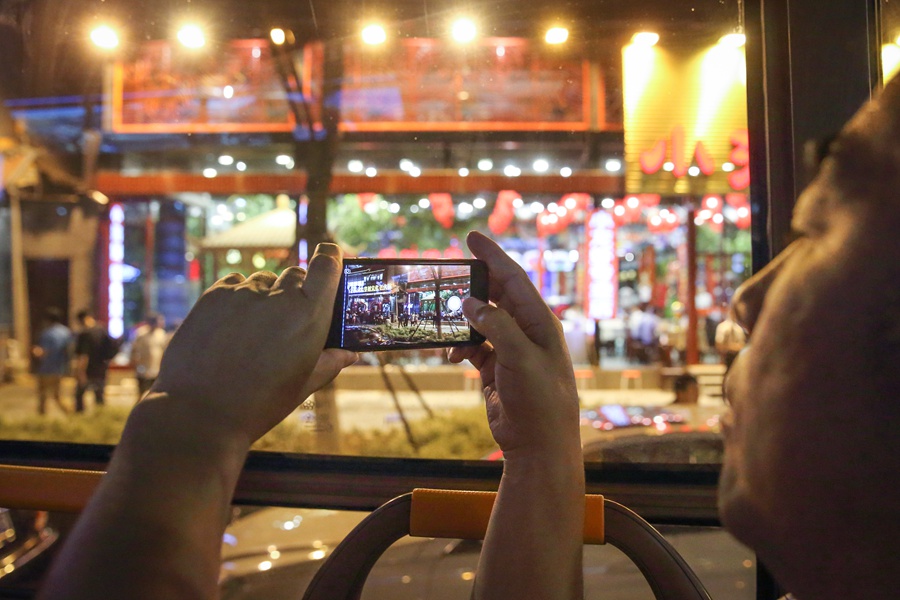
{"x": 529, "y": 385}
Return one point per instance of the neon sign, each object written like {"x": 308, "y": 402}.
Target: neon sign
{"x": 116, "y": 304}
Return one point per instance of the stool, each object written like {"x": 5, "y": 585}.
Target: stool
{"x": 471, "y": 380}
{"x": 582, "y": 377}
{"x": 629, "y": 375}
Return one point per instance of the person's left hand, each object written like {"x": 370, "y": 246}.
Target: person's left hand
{"x": 251, "y": 349}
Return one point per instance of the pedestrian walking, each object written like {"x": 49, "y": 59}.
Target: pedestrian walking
{"x": 94, "y": 349}
{"x": 147, "y": 352}
{"x": 52, "y": 353}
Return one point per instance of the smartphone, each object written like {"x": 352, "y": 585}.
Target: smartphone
{"x": 398, "y": 304}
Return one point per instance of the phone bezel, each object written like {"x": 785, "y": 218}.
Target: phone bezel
{"x": 478, "y": 288}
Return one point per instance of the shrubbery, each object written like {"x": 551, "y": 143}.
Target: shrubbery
{"x": 460, "y": 434}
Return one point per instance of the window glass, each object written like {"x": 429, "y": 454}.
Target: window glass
{"x": 150, "y": 149}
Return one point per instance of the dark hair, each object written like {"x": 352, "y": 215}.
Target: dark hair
{"x": 53, "y": 314}
{"x": 684, "y": 381}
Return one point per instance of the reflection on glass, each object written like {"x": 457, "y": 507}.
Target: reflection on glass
{"x": 890, "y": 44}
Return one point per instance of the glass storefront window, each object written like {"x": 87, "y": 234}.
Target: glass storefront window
{"x": 608, "y": 157}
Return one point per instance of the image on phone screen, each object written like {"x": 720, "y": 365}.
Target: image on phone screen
{"x": 400, "y": 304}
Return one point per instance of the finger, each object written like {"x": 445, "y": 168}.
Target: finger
{"x": 230, "y": 280}
{"x": 484, "y": 359}
{"x": 477, "y": 355}
{"x": 330, "y": 363}
{"x": 323, "y": 275}
{"x": 290, "y": 278}
{"x": 513, "y": 291}
{"x": 259, "y": 282}
{"x": 507, "y": 338}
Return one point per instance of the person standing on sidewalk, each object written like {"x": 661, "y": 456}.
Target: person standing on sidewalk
{"x": 52, "y": 352}
{"x": 147, "y": 352}
{"x": 93, "y": 351}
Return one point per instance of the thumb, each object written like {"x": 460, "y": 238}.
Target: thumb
{"x": 498, "y": 327}
{"x": 330, "y": 363}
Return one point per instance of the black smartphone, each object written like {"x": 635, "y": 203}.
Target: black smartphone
{"x": 398, "y": 304}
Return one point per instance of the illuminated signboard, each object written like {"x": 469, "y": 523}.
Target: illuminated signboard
{"x": 602, "y": 270}
{"x": 685, "y": 120}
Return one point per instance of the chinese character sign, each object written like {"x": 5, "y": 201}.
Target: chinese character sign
{"x": 685, "y": 120}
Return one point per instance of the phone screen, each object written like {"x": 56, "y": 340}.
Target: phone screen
{"x": 406, "y": 304}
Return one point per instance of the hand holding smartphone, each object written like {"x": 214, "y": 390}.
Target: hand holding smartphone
{"x": 396, "y": 304}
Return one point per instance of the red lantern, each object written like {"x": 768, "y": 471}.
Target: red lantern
{"x": 735, "y": 200}
{"x": 442, "y": 208}
{"x": 365, "y": 199}
{"x": 618, "y": 214}
{"x": 431, "y": 253}
{"x": 453, "y": 252}
{"x": 504, "y": 211}
{"x": 389, "y": 252}
{"x": 649, "y": 200}
{"x": 575, "y": 201}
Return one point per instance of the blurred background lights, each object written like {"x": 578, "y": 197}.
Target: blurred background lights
{"x": 374, "y": 34}
{"x": 424, "y": 203}
{"x": 733, "y": 40}
{"x": 541, "y": 165}
{"x": 479, "y": 203}
{"x": 607, "y": 203}
{"x": 645, "y": 38}
{"x": 191, "y": 36}
{"x": 557, "y": 35}
{"x": 485, "y": 164}
{"x": 463, "y": 172}
{"x": 209, "y": 172}
{"x": 228, "y": 92}
{"x": 613, "y": 165}
{"x": 565, "y": 172}
{"x": 406, "y": 164}
{"x": 277, "y": 36}
{"x": 371, "y": 172}
{"x": 241, "y": 166}
{"x": 105, "y": 37}
{"x": 355, "y": 166}
{"x": 282, "y": 159}
{"x": 512, "y": 171}
{"x": 463, "y": 30}
{"x": 226, "y": 160}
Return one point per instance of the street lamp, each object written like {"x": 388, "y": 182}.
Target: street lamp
{"x": 464, "y": 30}
{"x": 374, "y": 34}
{"x": 191, "y": 36}
{"x": 556, "y": 35}
{"x": 105, "y": 37}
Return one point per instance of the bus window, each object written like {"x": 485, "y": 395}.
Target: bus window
{"x": 172, "y": 159}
